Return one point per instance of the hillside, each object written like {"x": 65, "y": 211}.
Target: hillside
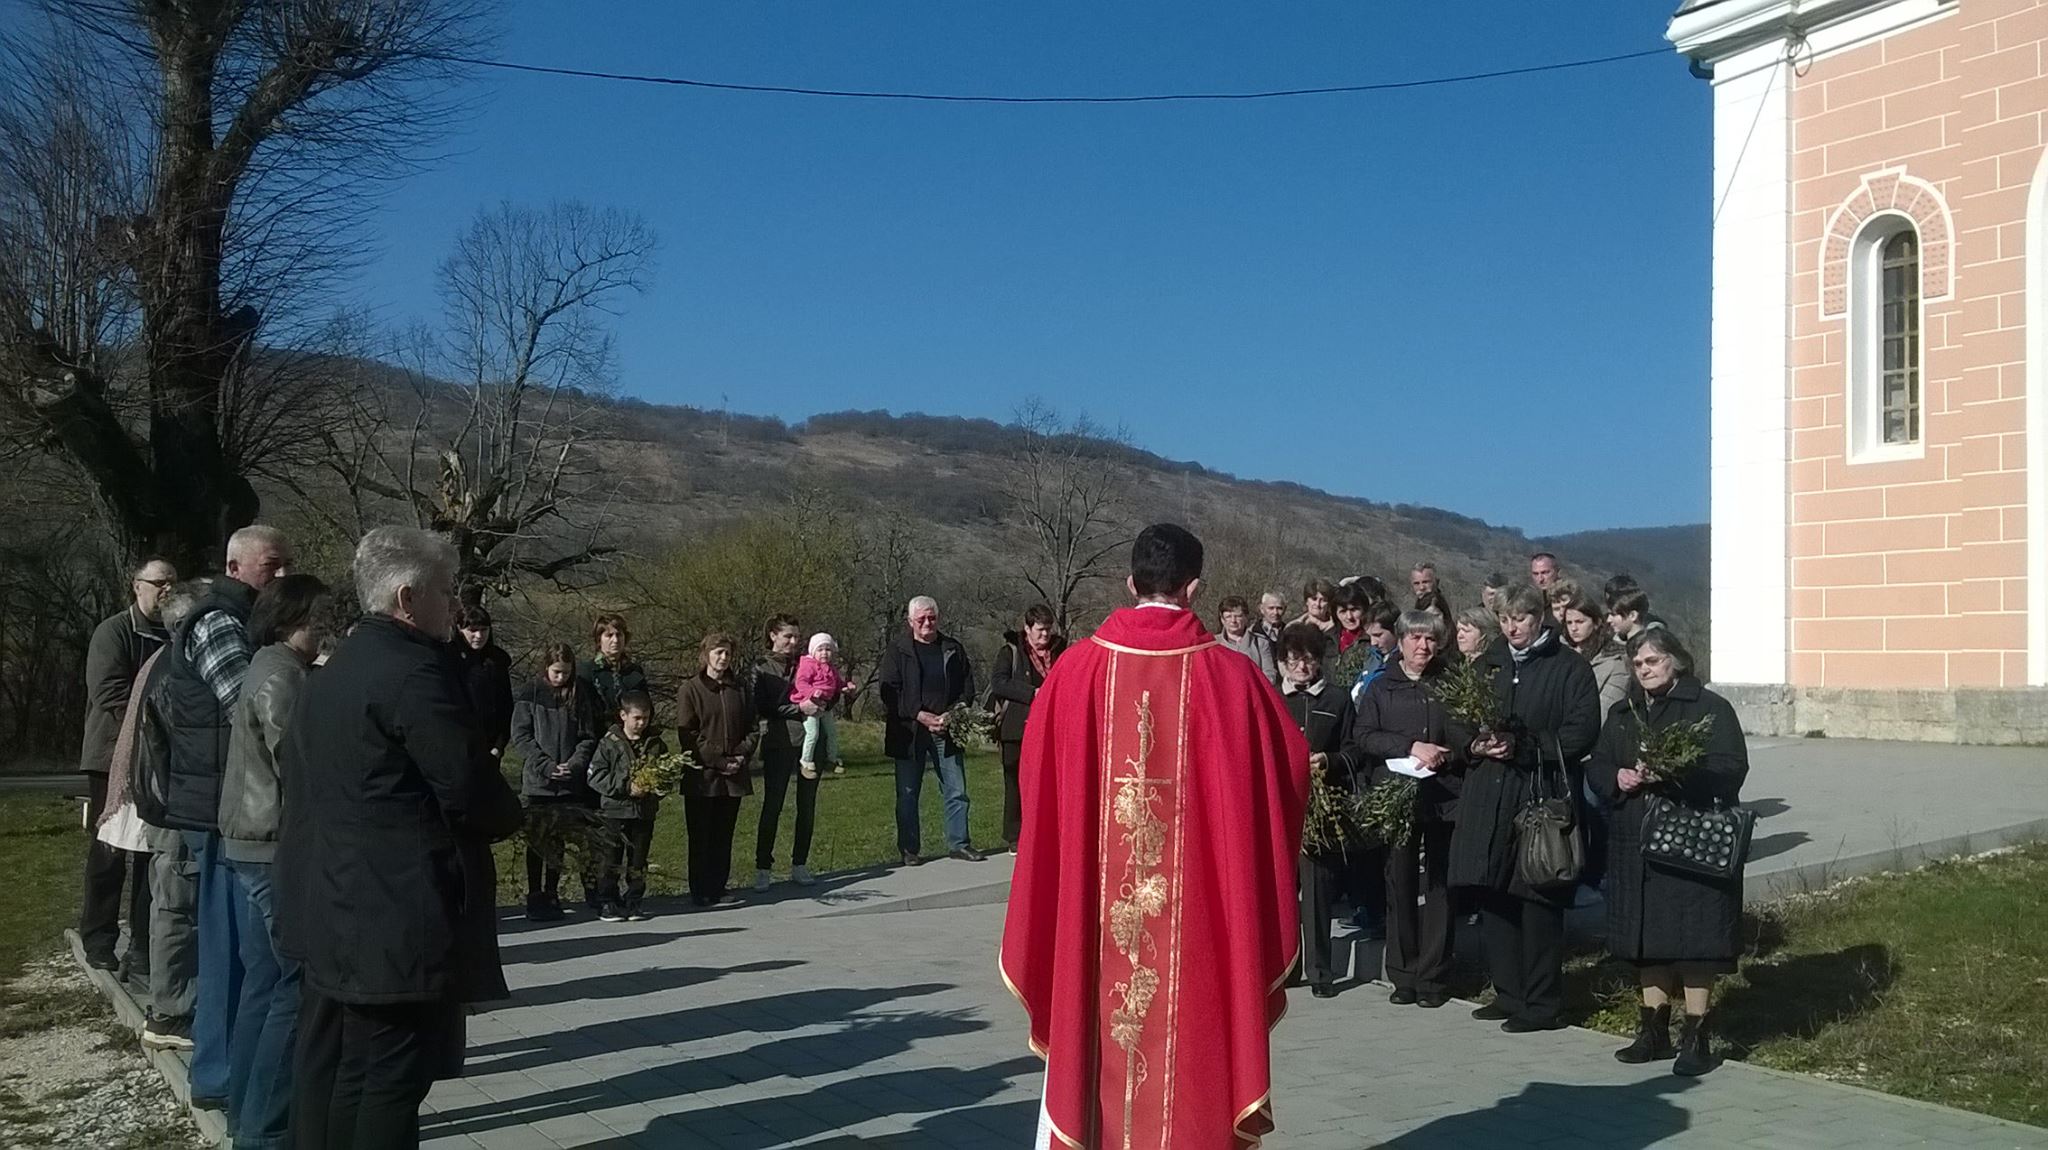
{"x": 684, "y": 470}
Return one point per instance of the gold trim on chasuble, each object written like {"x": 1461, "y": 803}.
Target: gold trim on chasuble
{"x": 1147, "y": 831}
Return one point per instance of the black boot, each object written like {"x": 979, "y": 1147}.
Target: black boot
{"x": 1653, "y": 1037}
{"x": 1695, "y": 1048}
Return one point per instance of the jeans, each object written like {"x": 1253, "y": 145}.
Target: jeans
{"x": 220, "y": 967}
{"x": 821, "y": 739}
{"x": 777, "y": 766}
{"x": 173, "y": 930}
{"x": 951, "y": 765}
{"x": 267, "y": 1021}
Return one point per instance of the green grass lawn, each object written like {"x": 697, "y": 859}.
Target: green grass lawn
{"x": 1932, "y": 985}
{"x": 856, "y": 821}
{"x": 42, "y": 855}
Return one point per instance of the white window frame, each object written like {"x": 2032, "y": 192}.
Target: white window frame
{"x": 1865, "y": 417}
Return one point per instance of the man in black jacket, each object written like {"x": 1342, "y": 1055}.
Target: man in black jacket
{"x": 120, "y": 645}
{"x": 924, "y": 675}
{"x": 387, "y": 888}
{"x": 781, "y": 745}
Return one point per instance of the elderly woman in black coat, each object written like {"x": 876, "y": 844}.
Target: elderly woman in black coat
{"x": 386, "y": 889}
{"x": 1679, "y": 929}
{"x": 1551, "y": 710}
{"x": 1399, "y": 718}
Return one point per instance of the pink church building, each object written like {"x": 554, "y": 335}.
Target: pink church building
{"x": 1879, "y": 364}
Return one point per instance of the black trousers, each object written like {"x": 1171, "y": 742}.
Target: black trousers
{"x": 1319, "y": 879}
{"x": 1419, "y": 937}
{"x": 1013, "y": 801}
{"x": 623, "y": 882}
{"x": 106, "y": 868}
{"x": 359, "y": 1073}
{"x": 1525, "y": 951}
{"x": 1365, "y": 879}
{"x": 777, "y": 768}
{"x": 709, "y": 822}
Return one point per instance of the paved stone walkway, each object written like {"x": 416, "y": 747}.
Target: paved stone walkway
{"x": 867, "y": 1011}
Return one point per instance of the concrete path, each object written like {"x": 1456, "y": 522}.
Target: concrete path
{"x": 869, "y": 1012}
{"x": 1831, "y": 808}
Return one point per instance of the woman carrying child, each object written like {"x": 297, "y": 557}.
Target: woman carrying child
{"x": 821, "y": 683}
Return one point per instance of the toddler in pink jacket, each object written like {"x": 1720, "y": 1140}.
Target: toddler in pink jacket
{"x": 820, "y": 683}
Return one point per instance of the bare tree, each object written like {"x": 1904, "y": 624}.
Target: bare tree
{"x": 496, "y": 447}
{"x": 1069, "y": 488}
{"x": 203, "y": 162}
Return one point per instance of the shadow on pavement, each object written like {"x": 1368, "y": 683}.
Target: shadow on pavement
{"x": 768, "y": 1123}
{"x": 861, "y": 1041}
{"x": 1631, "y": 1117}
{"x": 1777, "y": 844}
{"x": 783, "y": 1012}
{"x": 1801, "y": 995}
{"x": 1766, "y": 808}
{"x": 630, "y": 984}
{"x": 583, "y": 946}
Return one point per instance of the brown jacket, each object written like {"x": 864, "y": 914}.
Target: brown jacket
{"x": 716, "y": 720}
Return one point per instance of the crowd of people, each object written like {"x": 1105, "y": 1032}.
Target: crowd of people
{"x": 301, "y": 812}
{"x": 1577, "y": 681}
{"x": 302, "y": 818}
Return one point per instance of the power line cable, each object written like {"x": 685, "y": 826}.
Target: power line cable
{"x": 1147, "y": 98}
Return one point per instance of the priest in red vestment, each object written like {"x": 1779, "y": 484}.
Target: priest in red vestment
{"x": 1153, "y": 919}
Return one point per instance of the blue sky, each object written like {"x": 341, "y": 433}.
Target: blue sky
{"x": 1472, "y": 296}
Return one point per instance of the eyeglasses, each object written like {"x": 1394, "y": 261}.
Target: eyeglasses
{"x": 159, "y": 584}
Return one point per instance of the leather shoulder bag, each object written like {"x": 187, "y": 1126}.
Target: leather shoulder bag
{"x": 1549, "y": 850}
{"x": 1712, "y": 842}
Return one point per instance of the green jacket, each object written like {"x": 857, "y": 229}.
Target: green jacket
{"x": 611, "y": 773}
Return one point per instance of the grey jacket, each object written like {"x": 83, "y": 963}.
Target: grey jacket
{"x": 1256, "y": 647}
{"x": 1611, "y": 675}
{"x": 250, "y": 787}
{"x": 119, "y": 647}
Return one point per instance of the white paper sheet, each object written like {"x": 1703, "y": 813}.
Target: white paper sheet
{"x": 1413, "y": 768}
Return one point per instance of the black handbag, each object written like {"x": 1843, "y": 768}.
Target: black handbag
{"x": 1549, "y": 850}
{"x": 1712, "y": 842}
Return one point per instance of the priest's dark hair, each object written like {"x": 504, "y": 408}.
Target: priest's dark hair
{"x": 1166, "y": 558}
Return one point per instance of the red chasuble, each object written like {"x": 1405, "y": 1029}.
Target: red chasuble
{"x": 1153, "y": 916}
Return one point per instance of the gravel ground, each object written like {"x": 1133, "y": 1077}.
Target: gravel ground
{"x": 71, "y": 1076}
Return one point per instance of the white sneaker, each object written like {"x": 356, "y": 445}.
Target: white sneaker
{"x": 802, "y": 875}
{"x": 762, "y": 880}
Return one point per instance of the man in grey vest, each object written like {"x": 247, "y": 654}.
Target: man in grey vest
{"x": 207, "y": 656}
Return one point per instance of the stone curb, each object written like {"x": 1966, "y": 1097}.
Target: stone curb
{"x": 1772, "y": 885}
{"x": 172, "y": 1064}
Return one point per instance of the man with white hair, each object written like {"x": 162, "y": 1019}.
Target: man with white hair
{"x": 387, "y": 891}
{"x": 924, "y": 675}
{"x": 206, "y": 657}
